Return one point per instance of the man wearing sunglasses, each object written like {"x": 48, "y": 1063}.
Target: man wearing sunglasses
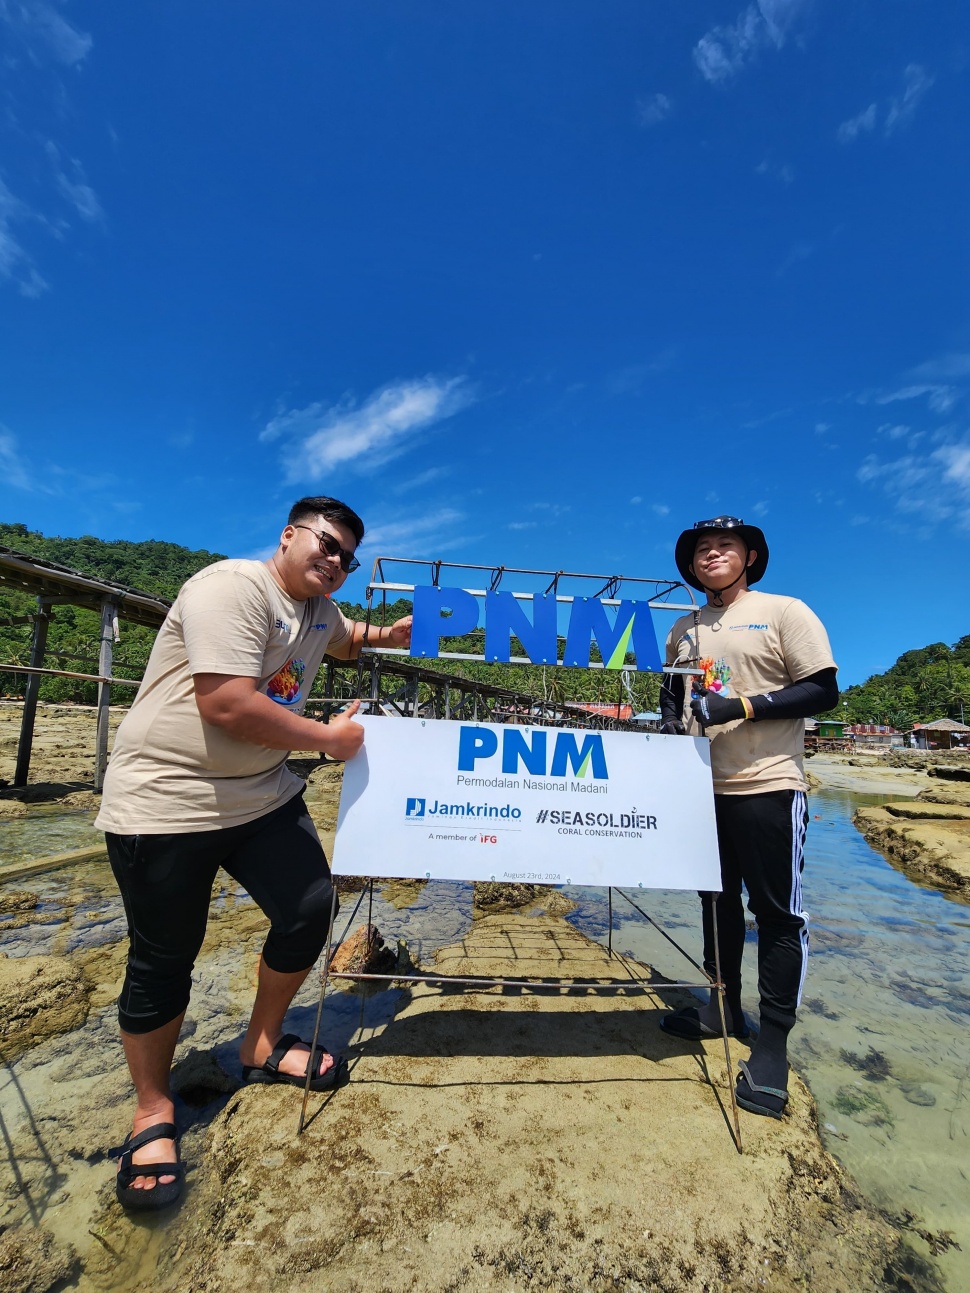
{"x": 763, "y": 665}
{"x": 198, "y": 780}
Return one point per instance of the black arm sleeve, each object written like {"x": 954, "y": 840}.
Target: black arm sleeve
{"x": 671, "y": 698}
{"x": 813, "y": 695}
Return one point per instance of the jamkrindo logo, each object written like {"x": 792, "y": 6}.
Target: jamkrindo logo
{"x": 416, "y": 807}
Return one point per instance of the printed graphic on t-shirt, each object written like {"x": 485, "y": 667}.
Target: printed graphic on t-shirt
{"x": 285, "y": 687}
{"x": 715, "y": 676}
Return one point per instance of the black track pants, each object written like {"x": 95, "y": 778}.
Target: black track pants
{"x": 166, "y": 883}
{"x": 761, "y": 839}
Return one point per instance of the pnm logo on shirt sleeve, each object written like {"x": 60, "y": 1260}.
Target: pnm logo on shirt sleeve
{"x": 286, "y": 687}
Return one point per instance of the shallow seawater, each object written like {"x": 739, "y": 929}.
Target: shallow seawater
{"x": 42, "y": 833}
{"x": 883, "y": 1037}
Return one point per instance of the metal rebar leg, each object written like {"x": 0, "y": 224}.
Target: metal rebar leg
{"x": 719, "y": 986}
{"x": 609, "y": 940}
{"x": 363, "y": 998}
{"x": 316, "y": 1027}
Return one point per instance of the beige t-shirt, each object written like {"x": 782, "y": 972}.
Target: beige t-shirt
{"x": 170, "y": 772}
{"x": 758, "y": 644}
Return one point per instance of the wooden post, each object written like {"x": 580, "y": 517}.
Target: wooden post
{"x": 109, "y": 627}
{"x": 38, "y": 649}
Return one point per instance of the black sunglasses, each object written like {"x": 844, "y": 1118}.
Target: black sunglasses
{"x": 331, "y": 548}
{"x": 719, "y": 523}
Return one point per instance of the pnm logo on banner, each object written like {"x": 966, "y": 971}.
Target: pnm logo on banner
{"x": 415, "y": 808}
{"x": 478, "y": 743}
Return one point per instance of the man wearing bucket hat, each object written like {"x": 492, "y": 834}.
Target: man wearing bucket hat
{"x": 763, "y": 664}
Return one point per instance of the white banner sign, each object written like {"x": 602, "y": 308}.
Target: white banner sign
{"x": 442, "y": 799}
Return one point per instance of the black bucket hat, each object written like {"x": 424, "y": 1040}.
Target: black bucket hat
{"x": 750, "y": 534}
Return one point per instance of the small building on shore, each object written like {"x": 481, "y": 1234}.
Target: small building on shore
{"x": 825, "y": 734}
{"x": 941, "y": 734}
{"x": 874, "y": 736}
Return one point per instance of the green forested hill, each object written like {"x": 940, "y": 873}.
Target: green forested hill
{"x": 161, "y": 568}
{"x": 931, "y": 682}
{"x": 72, "y": 640}
{"x": 152, "y": 566}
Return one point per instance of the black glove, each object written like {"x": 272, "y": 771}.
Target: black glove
{"x": 710, "y": 709}
{"x": 672, "y": 704}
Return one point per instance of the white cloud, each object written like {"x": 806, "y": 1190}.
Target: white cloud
{"x": 420, "y": 480}
{"x": 900, "y": 110}
{"x": 940, "y": 398}
{"x": 33, "y": 34}
{"x": 13, "y": 470}
{"x": 949, "y": 367}
{"x": 74, "y": 188}
{"x": 422, "y": 537}
{"x": 784, "y": 172}
{"x": 900, "y": 431}
{"x": 636, "y": 499}
{"x": 37, "y": 22}
{"x": 934, "y": 486}
{"x": 862, "y": 124}
{"x": 660, "y": 509}
{"x": 523, "y": 525}
{"x": 325, "y": 439}
{"x": 726, "y": 49}
{"x": 16, "y": 264}
{"x": 955, "y": 459}
{"x": 916, "y": 82}
{"x": 653, "y": 109}
{"x": 779, "y": 15}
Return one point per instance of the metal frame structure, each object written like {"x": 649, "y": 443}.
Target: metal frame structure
{"x": 577, "y": 985}
{"x": 565, "y": 586}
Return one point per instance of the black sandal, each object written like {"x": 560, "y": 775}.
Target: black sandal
{"x": 159, "y": 1196}
{"x": 269, "y": 1072}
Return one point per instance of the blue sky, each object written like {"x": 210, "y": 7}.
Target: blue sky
{"x": 534, "y": 284}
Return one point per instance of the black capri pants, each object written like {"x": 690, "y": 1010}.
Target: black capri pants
{"x": 166, "y": 884}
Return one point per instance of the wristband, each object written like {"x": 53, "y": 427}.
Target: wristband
{"x": 747, "y": 706}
